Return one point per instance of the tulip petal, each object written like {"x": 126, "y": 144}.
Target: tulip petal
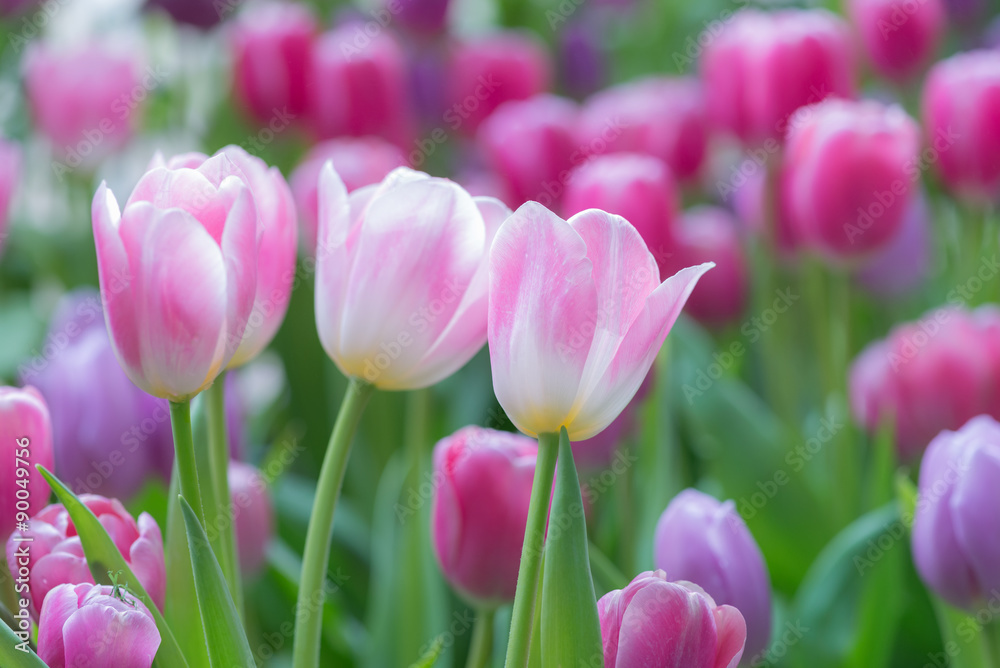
{"x": 59, "y": 605}
{"x": 239, "y": 252}
{"x": 732, "y": 633}
{"x": 99, "y": 635}
{"x": 332, "y": 262}
{"x": 668, "y": 627}
{"x": 974, "y": 512}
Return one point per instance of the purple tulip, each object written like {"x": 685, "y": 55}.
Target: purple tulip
{"x": 582, "y": 60}
{"x": 903, "y": 264}
{"x": 253, "y": 515}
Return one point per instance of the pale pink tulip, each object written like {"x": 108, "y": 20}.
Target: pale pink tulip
{"x": 25, "y": 440}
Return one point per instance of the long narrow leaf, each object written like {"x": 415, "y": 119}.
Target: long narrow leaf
{"x": 11, "y": 656}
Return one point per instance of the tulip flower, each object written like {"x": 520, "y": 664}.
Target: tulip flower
{"x": 955, "y": 522}
{"x": 582, "y": 57}
{"x": 10, "y": 176}
{"x": 96, "y": 625}
{"x": 960, "y": 108}
{"x": 706, "y": 542}
{"x": 178, "y": 272}
{"x": 480, "y": 509}
{"x": 56, "y": 557}
{"x": 25, "y": 441}
{"x": 905, "y": 261}
{"x": 359, "y": 162}
{"x": 898, "y": 38}
{"x": 660, "y": 116}
{"x": 272, "y": 45}
{"x": 764, "y": 66}
{"x": 253, "y": 515}
{"x": 653, "y": 622}
{"x": 847, "y": 178}
{"x": 570, "y": 345}
{"x": 428, "y": 17}
{"x": 640, "y": 188}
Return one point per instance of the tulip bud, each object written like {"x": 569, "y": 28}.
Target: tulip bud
{"x": 480, "y": 509}
{"x": 96, "y": 625}
{"x": 530, "y": 145}
{"x": 653, "y": 622}
{"x": 55, "y": 555}
{"x": 846, "y": 181}
{"x": 961, "y": 109}
{"x": 10, "y": 176}
{"x": 899, "y": 38}
{"x": 706, "y": 542}
{"x": 659, "y": 116}
{"x": 272, "y": 45}
{"x": 904, "y": 262}
{"x": 764, "y": 66}
{"x": 253, "y": 515}
{"x": 25, "y": 441}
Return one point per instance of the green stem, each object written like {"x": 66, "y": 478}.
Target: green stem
{"x": 221, "y": 532}
{"x": 532, "y": 549}
{"x": 187, "y": 468}
{"x": 990, "y": 637}
{"x": 481, "y": 650}
{"x": 305, "y": 653}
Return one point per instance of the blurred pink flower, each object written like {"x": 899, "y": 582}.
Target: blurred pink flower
{"x": 899, "y": 37}
{"x": 25, "y": 441}
{"x": 253, "y": 515}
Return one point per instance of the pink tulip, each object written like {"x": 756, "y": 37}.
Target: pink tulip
{"x": 640, "y": 188}
{"x": 530, "y": 145}
{"x": 25, "y": 441}
{"x": 92, "y": 625}
{"x": 359, "y": 162}
{"x": 401, "y": 276}
{"x": 10, "y": 176}
{"x": 899, "y": 38}
{"x": 480, "y": 509}
{"x": 178, "y": 273}
{"x": 54, "y": 556}
{"x": 487, "y": 71}
{"x": 253, "y": 515}
{"x": 764, "y": 66}
{"x": 653, "y": 622}
{"x": 272, "y": 45}
{"x": 577, "y": 315}
{"x": 849, "y": 173}
{"x": 360, "y": 86}
{"x": 961, "y": 110}
{"x": 659, "y": 116}
{"x": 84, "y": 100}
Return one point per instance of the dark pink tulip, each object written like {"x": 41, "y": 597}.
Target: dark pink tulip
{"x": 656, "y": 623}
{"x": 764, "y": 66}
{"x": 530, "y": 145}
{"x": 272, "y": 45}
{"x": 89, "y": 625}
{"x": 253, "y": 515}
{"x": 483, "y": 486}
{"x": 487, "y": 71}
{"x": 25, "y": 440}
{"x": 905, "y": 261}
{"x": 899, "y": 37}
{"x": 10, "y": 176}
{"x": 961, "y": 111}
{"x": 849, "y": 173}
{"x": 360, "y": 86}
{"x": 359, "y": 162}
{"x": 55, "y": 555}
{"x": 706, "y": 542}
{"x": 661, "y": 116}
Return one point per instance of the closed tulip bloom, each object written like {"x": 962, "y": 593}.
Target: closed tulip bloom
{"x": 639, "y": 188}
{"x": 401, "y": 277}
{"x": 25, "y": 441}
{"x": 10, "y": 176}
{"x": 961, "y": 109}
{"x": 530, "y": 145}
{"x": 253, "y": 515}
{"x": 358, "y": 161}
{"x": 846, "y": 180}
{"x": 480, "y": 509}
{"x": 571, "y": 344}
{"x": 661, "y": 116}
{"x": 706, "y": 542}
{"x": 899, "y": 39}
{"x": 92, "y": 625}
{"x": 272, "y": 45}
{"x": 487, "y": 71}
{"x": 653, "y": 623}
{"x": 763, "y": 66}
{"x": 56, "y": 554}
{"x": 905, "y": 261}
{"x": 178, "y": 273}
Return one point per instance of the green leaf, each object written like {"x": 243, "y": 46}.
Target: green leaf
{"x": 13, "y": 657}
{"x": 103, "y": 556}
{"x": 571, "y": 630}
{"x": 430, "y": 657}
{"x": 224, "y": 634}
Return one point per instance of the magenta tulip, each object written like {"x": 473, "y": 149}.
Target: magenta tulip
{"x": 427, "y": 17}
{"x": 178, "y": 273}
{"x": 54, "y": 556}
{"x": 25, "y": 441}
{"x": 93, "y": 625}
{"x": 653, "y": 623}
{"x": 401, "y": 277}
{"x": 899, "y": 38}
{"x": 571, "y": 344}
{"x": 764, "y": 66}
{"x": 480, "y": 508}
{"x": 10, "y": 176}
{"x": 253, "y": 514}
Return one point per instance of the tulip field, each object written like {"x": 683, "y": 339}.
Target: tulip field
{"x": 499, "y": 334}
